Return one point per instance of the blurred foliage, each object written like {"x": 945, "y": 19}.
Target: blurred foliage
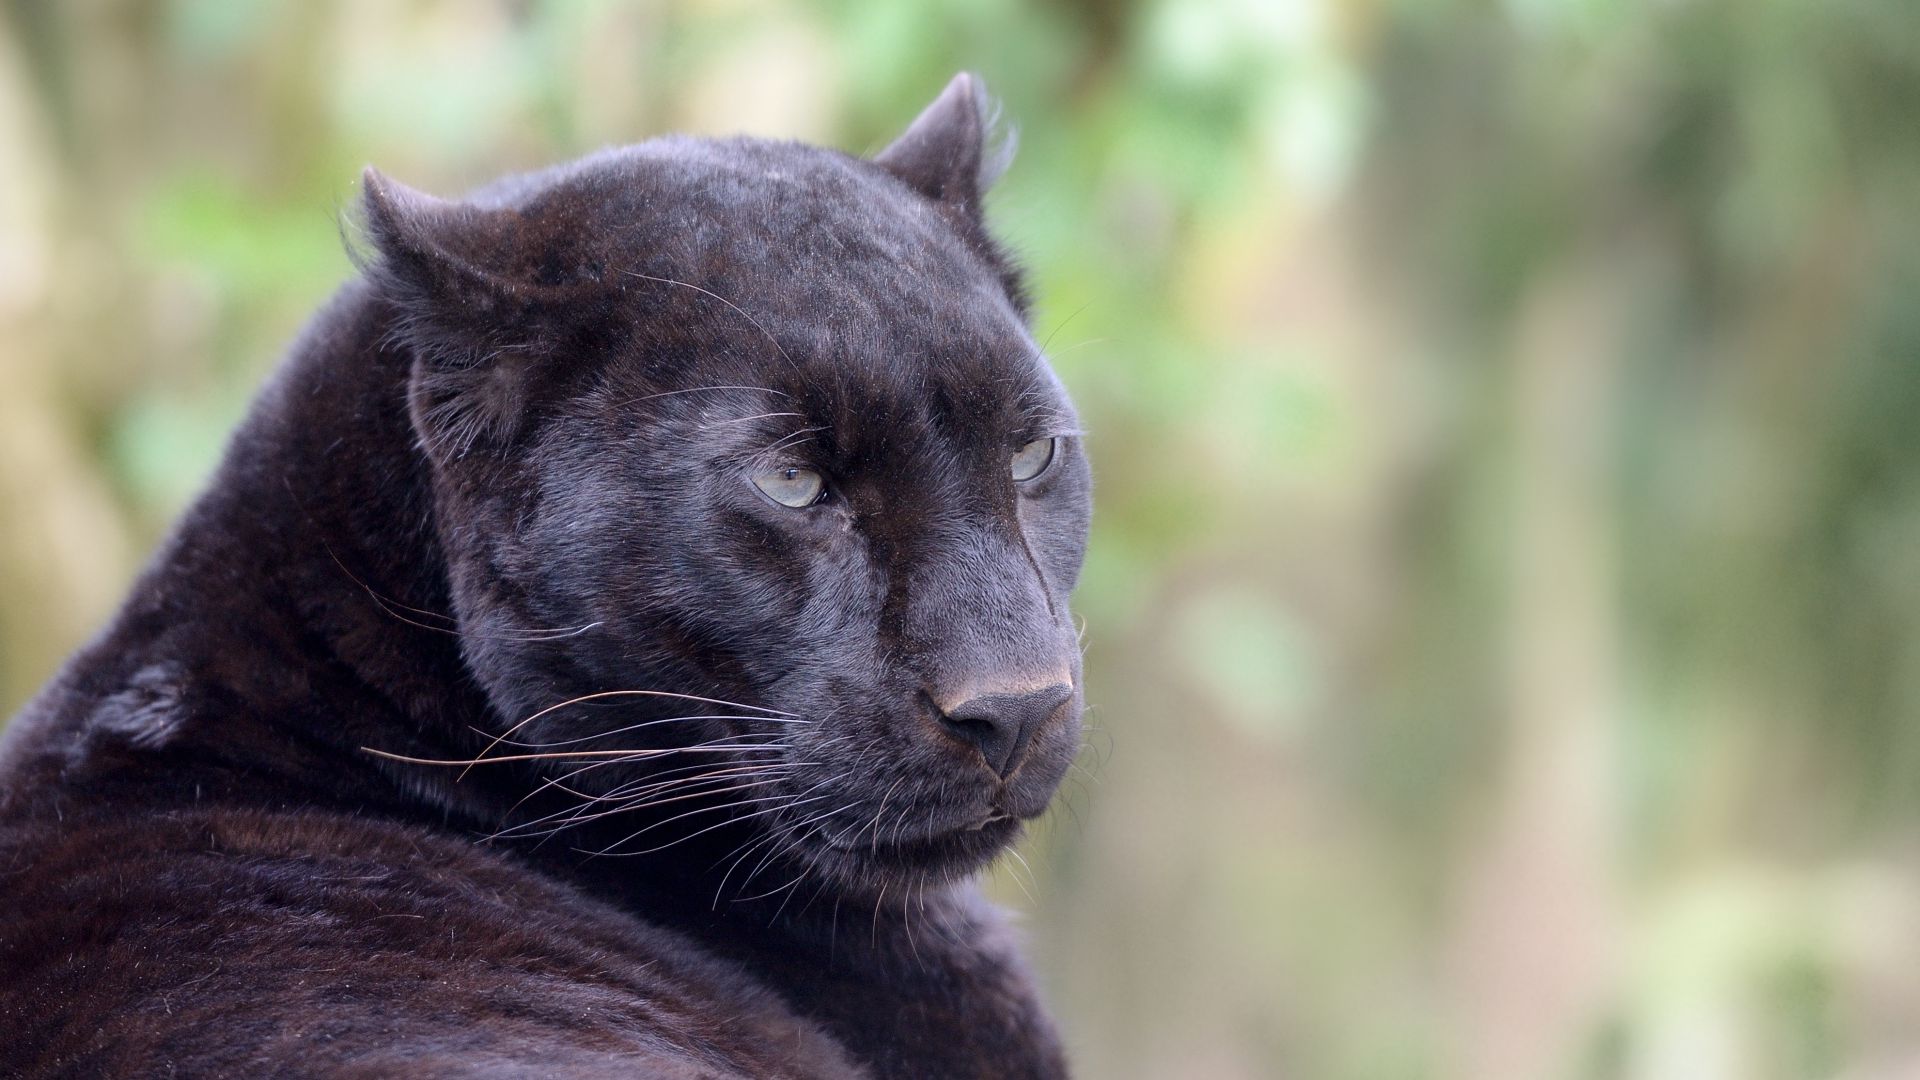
{"x": 1504, "y": 609}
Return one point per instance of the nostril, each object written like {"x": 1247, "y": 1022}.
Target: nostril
{"x": 978, "y": 730}
{"x": 1001, "y": 725}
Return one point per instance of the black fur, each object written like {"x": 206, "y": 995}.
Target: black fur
{"x": 497, "y": 506}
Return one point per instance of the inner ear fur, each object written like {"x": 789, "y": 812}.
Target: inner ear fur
{"x": 956, "y": 148}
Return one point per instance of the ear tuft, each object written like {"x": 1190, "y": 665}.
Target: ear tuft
{"x": 999, "y": 141}
{"x": 955, "y": 148}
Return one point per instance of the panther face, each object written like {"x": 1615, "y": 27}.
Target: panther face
{"x": 760, "y": 503}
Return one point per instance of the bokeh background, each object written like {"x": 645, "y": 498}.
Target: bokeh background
{"x": 1503, "y": 619}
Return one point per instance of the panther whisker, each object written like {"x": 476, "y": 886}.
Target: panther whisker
{"x": 545, "y": 834}
{"x": 632, "y": 793}
{"x": 651, "y": 723}
{"x": 780, "y": 799}
{"x": 631, "y": 790}
{"x": 1062, "y": 325}
{"x": 797, "y": 838}
{"x": 789, "y": 888}
{"x": 745, "y": 419}
{"x": 1022, "y": 859}
{"x": 560, "y": 781}
{"x": 745, "y": 849}
{"x": 1080, "y": 345}
{"x": 906, "y": 923}
{"x": 639, "y": 788}
{"x": 529, "y": 634}
{"x": 877, "y": 814}
{"x": 703, "y": 390}
{"x": 700, "y": 832}
{"x": 739, "y": 854}
{"x": 604, "y": 694}
{"x": 736, "y": 307}
{"x": 789, "y": 439}
{"x": 630, "y": 800}
{"x": 646, "y": 803}
{"x": 820, "y": 886}
{"x": 561, "y": 755}
{"x": 393, "y": 607}
{"x": 900, "y": 823}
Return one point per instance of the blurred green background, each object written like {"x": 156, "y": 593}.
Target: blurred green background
{"x": 1503, "y": 618}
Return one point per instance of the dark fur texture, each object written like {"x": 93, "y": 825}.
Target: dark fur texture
{"x": 737, "y": 762}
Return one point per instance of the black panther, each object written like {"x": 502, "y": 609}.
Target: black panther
{"x": 618, "y": 634}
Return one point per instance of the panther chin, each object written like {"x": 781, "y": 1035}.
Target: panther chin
{"x": 933, "y": 855}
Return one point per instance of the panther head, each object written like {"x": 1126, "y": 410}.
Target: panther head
{"x": 759, "y": 502}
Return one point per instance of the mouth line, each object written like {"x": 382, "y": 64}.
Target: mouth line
{"x": 996, "y": 816}
{"x": 950, "y": 845}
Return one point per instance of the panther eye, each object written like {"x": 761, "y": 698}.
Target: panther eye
{"x": 1032, "y": 459}
{"x": 791, "y": 485}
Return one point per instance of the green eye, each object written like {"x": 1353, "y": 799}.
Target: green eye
{"x": 1032, "y": 459}
{"x": 791, "y": 486}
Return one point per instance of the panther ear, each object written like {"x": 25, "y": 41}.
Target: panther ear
{"x": 469, "y": 308}
{"x": 438, "y": 252}
{"x": 955, "y": 149}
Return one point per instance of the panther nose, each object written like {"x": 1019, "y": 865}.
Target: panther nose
{"x": 1001, "y": 725}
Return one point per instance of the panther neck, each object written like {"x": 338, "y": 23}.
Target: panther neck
{"x": 294, "y": 616}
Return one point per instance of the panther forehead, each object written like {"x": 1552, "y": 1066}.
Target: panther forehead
{"x": 714, "y": 201}
{"x": 857, "y": 309}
